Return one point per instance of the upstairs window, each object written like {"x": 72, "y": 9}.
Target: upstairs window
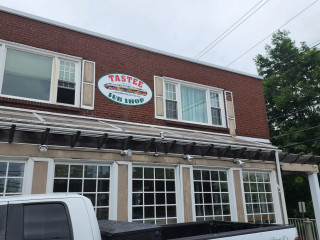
{"x": 193, "y": 103}
{"x": 39, "y": 75}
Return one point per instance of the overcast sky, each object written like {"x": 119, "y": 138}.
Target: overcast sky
{"x": 186, "y": 27}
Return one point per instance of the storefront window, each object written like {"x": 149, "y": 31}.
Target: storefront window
{"x": 258, "y": 197}
{"x": 11, "y": 178}
{"x": 154, "y": 195}
{"x": 92, "y": 181}
{"x": 211, "y": 195}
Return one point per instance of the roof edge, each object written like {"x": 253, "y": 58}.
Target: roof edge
{"x": 124, "y": 42}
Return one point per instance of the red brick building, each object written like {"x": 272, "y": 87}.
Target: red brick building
{"x": 148, "y": 136}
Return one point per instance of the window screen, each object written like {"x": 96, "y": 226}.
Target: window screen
{"x": 46, "y": 221}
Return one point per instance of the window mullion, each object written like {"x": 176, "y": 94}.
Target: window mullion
{"x": 208, "y": 103}
{"x": 2, "y": 63}
{"x": 179, "y": 101}
{"x": 54, "y": 81}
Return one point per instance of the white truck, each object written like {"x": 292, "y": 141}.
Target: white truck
{"x": 71, "y": 216}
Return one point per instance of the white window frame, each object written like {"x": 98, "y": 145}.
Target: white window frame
{"x": 230, "y": 179}
{"x": 4, "y": 45}
{"x": 178, "y": 187}
{"x": 113, "y": 187}
{"x": 205, "y": 88}
{"x": 274, "y": 191}
{"x": 28, "y": 172}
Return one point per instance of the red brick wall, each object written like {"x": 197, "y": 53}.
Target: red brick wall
{"x": 113, "y": 57}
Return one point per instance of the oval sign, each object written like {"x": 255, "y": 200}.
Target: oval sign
{"x": 125, "y": 89}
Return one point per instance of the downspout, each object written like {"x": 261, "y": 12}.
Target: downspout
{"x": 283, "y": 201}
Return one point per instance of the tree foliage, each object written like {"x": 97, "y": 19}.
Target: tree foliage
{"x": 291, "y": 82}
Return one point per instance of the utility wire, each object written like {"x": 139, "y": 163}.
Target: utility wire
{"x": 289, "y": 114}
{"x": 296, "y": 54}
{"x": 226, "y": 33}
{"x": 295, "y": 132}
{"x": 271, "y": 33}
{"x": 292, "y": 145}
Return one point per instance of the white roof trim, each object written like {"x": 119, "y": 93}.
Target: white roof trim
{"x": 106, "y": 37}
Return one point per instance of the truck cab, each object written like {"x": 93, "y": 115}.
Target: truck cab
{"x": 58, "y": 216}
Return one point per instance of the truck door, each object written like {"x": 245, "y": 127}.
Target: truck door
{"x": 3, "y": 220}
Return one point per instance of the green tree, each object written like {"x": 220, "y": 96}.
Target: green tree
{"x": 291, "y": 82}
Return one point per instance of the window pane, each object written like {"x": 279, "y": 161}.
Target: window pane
{"x": 169, "y": 173}
{"x": 76, "y": 171}
{"x": 171, "y": 109}
{"x": 137, "y": 199}
{"x": 103, "y": 200}
{"x": 61, "y": 171}
{"x": 90, "y": 171}
{"x": 2, "y": 182}
{"x": 149, "y": 173}
{"x": 103, "y": 185}
{"x": 67, "y": 71}
{"x": 137, "y": 172}
{"x": 194, "y": 107}
{"x": 159, "y": 173}
{"x": 137, "y": 186}
{"x": 60, "y": 185}
{"x": 102, "y": 213}
{"x": 216, "y": 116}
{"x": 27, "y": 75}
{"x": 3, "y": 169}
{"x": 16, "y": 170}
{"x": 104, "y": 172}
{"x": 37, "y": 225}
{"x": 14, "y": 185}
{"x": 75, "y": 185}
{"x": 90, "y": 185}
{"x": 170, "y": 91}
{"x": 214, "y": 99}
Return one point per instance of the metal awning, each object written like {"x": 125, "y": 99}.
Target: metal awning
{"x": 44, "y": 128}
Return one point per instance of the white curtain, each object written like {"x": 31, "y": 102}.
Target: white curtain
{"x": 194, "y": 107}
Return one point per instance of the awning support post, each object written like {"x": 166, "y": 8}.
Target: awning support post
{"x": 315, "y": 194}
{"x": 283, "y": 201}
